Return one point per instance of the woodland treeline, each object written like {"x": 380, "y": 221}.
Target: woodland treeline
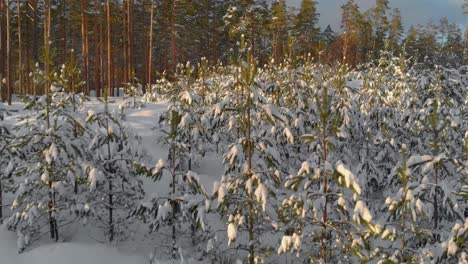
{"x": 113, "y": 42}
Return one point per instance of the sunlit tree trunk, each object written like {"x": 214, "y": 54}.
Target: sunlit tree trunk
{"x": 97, "y": 50}
{"x": 2, "y": 51}
{"x": 85, "y": 49}
{"x": 150, "y": 46}
{"x": 109, "y": 50}
{"x": 125, "y": 41}
{"x": 131, "y": 39}
{"x": 20, "y": 48}
{"x": 8, "y": 54}
{"x": 173, "y": 35}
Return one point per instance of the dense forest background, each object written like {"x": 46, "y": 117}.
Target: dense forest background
{"x": 115, "y": 42}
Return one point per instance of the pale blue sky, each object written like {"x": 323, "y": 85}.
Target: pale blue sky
{"x": 413, "y": 11}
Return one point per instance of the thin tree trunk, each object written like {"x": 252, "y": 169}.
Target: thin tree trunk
{"x": 34, "y": 32}
{"x": 131, "y": 43}
{"x": 125, "y": 40}
{"x": 174, "y": 175}
{"x": 47, "y": 59}
{"x": 102, "y": 74}
{"x": 27, "y": 78}
{"x": 1, "y": 203}
{"x": 47, "y": 63}
{"x": 163, "y": 40}
{"x": 213, "y": 53}
{"x": 2, "y": 51}
{"x": 110, "y": 195}
{"x": 62, "y": 44}
{"x": 173, "y": 35}
{"x": 251, "y": 197}
{"x": 150, "y": 46}
{"x": 85, "y": 49}
{"x": 8, "y": 54}
{"x": 403, "y": 217}
{"x": 325, "y": 188}
{"x": 20, "y": 51}
{"x": 109, "y": 51}
{"x": 436, "y": 207}
{"x": 97, "y": 53}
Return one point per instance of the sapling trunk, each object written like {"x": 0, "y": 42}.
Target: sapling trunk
{"x": 250, "y": 174}
{"x": 1, "y": 203}
{"x": 47, "y": 58}
{"x": 436, "y": 210}
{"x": 110, "y": 198}
{"x": 324, "y": 117}
{"x": 174, "y": 121}
{"x": 404, "y": 179}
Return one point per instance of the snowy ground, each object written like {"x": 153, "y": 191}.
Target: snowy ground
{"x": 85, "y": 247}
{"x": 59, "y": 253}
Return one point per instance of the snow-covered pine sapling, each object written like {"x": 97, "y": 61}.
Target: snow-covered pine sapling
{"x": 188, "y": 100}
{"x": 403, "y": 208}
{"x": 37, "y": 77}
{"x": 182, "y": 208}
{"x": 115, "y": 187}
{"x": 437, "y": 120}
{"x": 50, "y": 143}
{"x": 133, "y": 91}
{"x": 250, "y": 162}
{"x": 186, "y": 109}
{"x": 324, "y": 181}
{"x": 248, "y": 71}
{"x": 457, "y": 243}
{"x": 7, "y": 161}
{"x": 68, "y": 83}
{"x": 70, "y": 75}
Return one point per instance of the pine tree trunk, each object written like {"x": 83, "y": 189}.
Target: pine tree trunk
{"x": 110, "y": 91}
{"x": 97, "y": 53}
{"x": 62, "y": 48}
{"x": 8, "y": 54}
{"x": 150, "y": 46}
{"x": 85, "y": 49}
{"x": 102, "y": 74}
{"x": 125, "y": 40}
{"x": 27, "y": 48}
{"x": 20, "y": 51}
{"x": 131, "y": 43}
{"x": 47, "y": 63}
{"x": 173, "y": 36}
{"x": 2, "y": 51}
{"x": 34, "y": 32}
{"x": 213, "y": 51}
{"x": 109, "y": 50}
{"x": 163, "y": 40}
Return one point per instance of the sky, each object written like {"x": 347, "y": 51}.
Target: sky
{"x": 413, "y": 11}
